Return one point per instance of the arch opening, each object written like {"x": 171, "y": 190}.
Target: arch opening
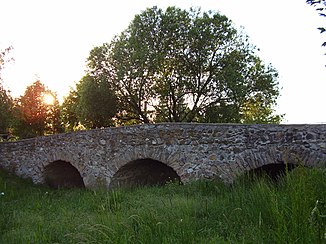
{"x": 144, "y": 172}
{"x": 61, "y": 174}
{"x": 273, "y": 171}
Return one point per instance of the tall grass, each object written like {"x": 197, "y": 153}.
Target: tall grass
{"x": 249, "y": 211}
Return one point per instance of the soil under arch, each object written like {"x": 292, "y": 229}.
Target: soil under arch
{"x": 273, "y": 171}
{"x": 62, "y": 174}
{"x": 143, "y": 172}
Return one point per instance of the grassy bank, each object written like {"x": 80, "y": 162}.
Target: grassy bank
{"x": 201, "y": 212}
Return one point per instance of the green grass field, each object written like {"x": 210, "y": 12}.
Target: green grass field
{"x": 250, "y": 211}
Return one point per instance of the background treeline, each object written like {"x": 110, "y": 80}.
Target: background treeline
{"x": 169, "y": 65}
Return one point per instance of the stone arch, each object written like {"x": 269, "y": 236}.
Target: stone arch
{"x": 273, "y": 171}
{"x": 273, "y": 162}
{"x": 143, "y": 172}
{"x": 62, "y": 174}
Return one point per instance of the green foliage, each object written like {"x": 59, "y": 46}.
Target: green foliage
{"x": 6, "y": 101}
{"x": 53, "y": 119}
{"x": 258, "y": 110}
{"x": 97, "y": 104}
{"x": 93, "y": 104}
{"x": 199, "y": 212}
{"x": 178, "y": 65}
{"x": 6, "y": 110}
{"x": 69, "y": 114}
{"x": 318, "y": 220}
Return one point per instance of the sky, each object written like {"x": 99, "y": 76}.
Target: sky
{"x": 52, "y": 40}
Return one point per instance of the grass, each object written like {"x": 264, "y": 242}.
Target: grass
{"x": 250, "y": 211}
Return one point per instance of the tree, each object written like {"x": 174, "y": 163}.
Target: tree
{"x": 93, "y": 104}
{"x": 320, "y": 6}
{"x": 4, "y": 58}
{"x": 69, "y": 113}
{"x": 53, "y": 120}
{"x": 34, "y": 116}
{"x": 6, "y": 110}
{"x": 6, "y": 101}
{"x": 187, "y": 66}
{"x": 127, "y": 77}
{"x": 97, "y": 102}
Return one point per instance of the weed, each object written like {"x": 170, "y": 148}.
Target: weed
{"x": 249, "y": 211}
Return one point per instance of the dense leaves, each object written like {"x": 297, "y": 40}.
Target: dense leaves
{"x": 6, "y": 108}
{"x": 92, "y": 105}
{"x": 69, "y": 111}
{"x": 34, "y": 117}
{"x": 6, "y": 101}
{"x": 178, "y": 65}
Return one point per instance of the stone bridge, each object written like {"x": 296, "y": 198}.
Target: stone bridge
{"x": 157, "y": 153}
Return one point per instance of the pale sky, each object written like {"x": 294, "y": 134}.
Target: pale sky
{"x": 52, "y": 40}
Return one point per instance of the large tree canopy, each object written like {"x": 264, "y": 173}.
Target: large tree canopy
{"x": 178, "y": 65}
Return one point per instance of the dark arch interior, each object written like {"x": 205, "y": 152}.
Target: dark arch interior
{"x": 273, "y": 171}
{"x": 61, "y": 174}
{"x": 143, "y": 172}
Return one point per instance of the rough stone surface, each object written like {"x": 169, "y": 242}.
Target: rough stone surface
{"x": 192, "y": 150}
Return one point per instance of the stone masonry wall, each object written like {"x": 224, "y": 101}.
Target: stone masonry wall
{"x": 193, "y": 150}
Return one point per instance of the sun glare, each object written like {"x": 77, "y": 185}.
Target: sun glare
{"x": 48, "y": 99}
